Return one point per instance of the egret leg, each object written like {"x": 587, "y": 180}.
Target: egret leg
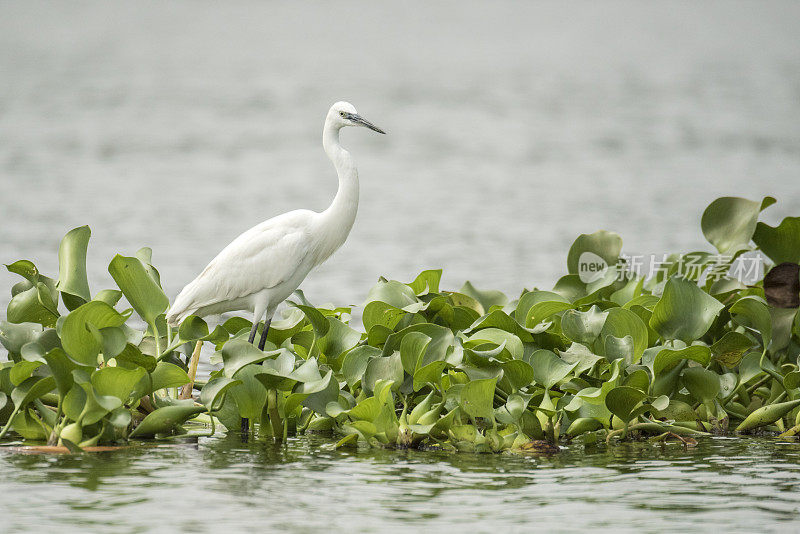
{"x": 258, "y": 313}
{"x": 263, "y": 340}
{"x": 253, "y": 332}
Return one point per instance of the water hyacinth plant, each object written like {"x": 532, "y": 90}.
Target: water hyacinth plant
{"x": 613, "y": 356}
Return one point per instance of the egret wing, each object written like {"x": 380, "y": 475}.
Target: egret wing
{"x": 261, "y": 258}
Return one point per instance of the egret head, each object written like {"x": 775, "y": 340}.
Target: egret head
{"x": 344, "y": 114}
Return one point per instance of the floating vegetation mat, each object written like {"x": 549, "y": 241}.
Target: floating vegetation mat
{"x": 608, "y": 353}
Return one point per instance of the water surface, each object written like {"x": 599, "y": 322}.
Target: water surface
{"x": 722, "y": 485}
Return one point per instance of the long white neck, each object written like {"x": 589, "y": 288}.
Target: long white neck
{"x": 338, "y": 219}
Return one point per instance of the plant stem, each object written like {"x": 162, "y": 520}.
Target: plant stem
{"x": 186, "y": 392}
{"x": 10, "y": 420}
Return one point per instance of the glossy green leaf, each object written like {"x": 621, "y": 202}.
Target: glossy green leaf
{"x": 486, "y": 298}
{"x": 388, "y": 368}
{"x": 781, "y": 243}
{"x": 702, "y": 384}
{"x": 606, "y": 245}
{"x": 213, "y": 393}
{"x": 78, "y": 340}
{"x": 33, "y": 305}
{"x": 766, "y": 415}
{"x": 73, "y": 282}
{"x": 684, "y": 311}
{"x": 667, "y": 358}
{"x": 117, "y": 381}
{"x": 426, "y": 282}
{"x": 168, "y": 375}
{"x": 583, "y": 327}
{"x": 623, "y": 400}
{"x": 238, "y": 353}
{"x": 621, "y": 323}
{"x": 752, "y": 312}
{"x": 141, "y": 290}
{"x": 729, "y": 223}
{"x": 355, "y": 363}
{"x": 549, "y": 369}
{"x": 477, "y": 398}
{"x": 165, "y": 419}
{"x": 730, "y": 349}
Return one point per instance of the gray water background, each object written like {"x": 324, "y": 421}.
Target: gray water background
{"x": 513, "y": 127}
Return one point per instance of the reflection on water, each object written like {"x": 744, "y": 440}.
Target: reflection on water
{"x": 724, "y": 484}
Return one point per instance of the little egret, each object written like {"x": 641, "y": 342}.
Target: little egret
{"x": 264, "y": 265}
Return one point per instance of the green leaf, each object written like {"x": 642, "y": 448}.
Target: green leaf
{"x": 780, "y": 243}
{"x": 684, "y": 311}
{"x": 729, "y": 223}
{"x": 15, "y": 336}
{"x": 667, "y": 358}
{"x": 623, "y": 400}
{"x": 131, "y": 357}
{"x": 426, "y": 282}
{"x": 213, "y": 393}
{"x": 355, "y": 363}
{"x": 412, "y": 349}
{"x": 621, "y": 323}
{"x": 109, "y": 296}
{"x": 61, "y": 368}
{"x": 702, "y": 384}
{"x": 141, "y": 290}
{"x": 165, "y": 419}
{"x": 392, "y": 292}
{"x": 518, "y": 373}
{"x": 606, "y": 245}
{"x": 477, "y": 398}
{"x": 25, "y": 269}
{"x": 430, "y": 374}
{"x": 339, "y": 338}
{"x": 72, "y": 280}
{"x": 767, "y": 415}
{"x": 549, "y": 369}
{"x": 388, "y": 368}
{"x": 379, "y": 313}
{"x": 486, "y": 298}
{"x": 250, "y": 396}
{"x": 319, "y": 393}
{"x": 117, "y": 381}
{"x": 31, "y": 389}
{"x": 33, "y": 305}
{"x": 730, "y": 349}
{"x": 167, "y": 375}
{"x": 583, "y": 327}
{"x": 581, "y": 356}
{"x": 752, "y": 312}
{"x": 318, "y": 321}
{"x": 192, "y": 328}
{"x": 80, "y": 343}
{"x": 238, "y": 353}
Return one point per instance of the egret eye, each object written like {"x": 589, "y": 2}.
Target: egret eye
{"x": 341, "y": 113}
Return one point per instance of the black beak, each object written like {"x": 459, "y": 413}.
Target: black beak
{"x": 358, "y": 119}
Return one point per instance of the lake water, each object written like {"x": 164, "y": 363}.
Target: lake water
{"x": 513, "y": 127}
{"x": 216, "y": 485}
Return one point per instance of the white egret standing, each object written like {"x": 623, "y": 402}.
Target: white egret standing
{"x": 264, "y": 265}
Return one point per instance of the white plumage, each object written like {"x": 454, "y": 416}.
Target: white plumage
{"x": 264, "y": 265}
